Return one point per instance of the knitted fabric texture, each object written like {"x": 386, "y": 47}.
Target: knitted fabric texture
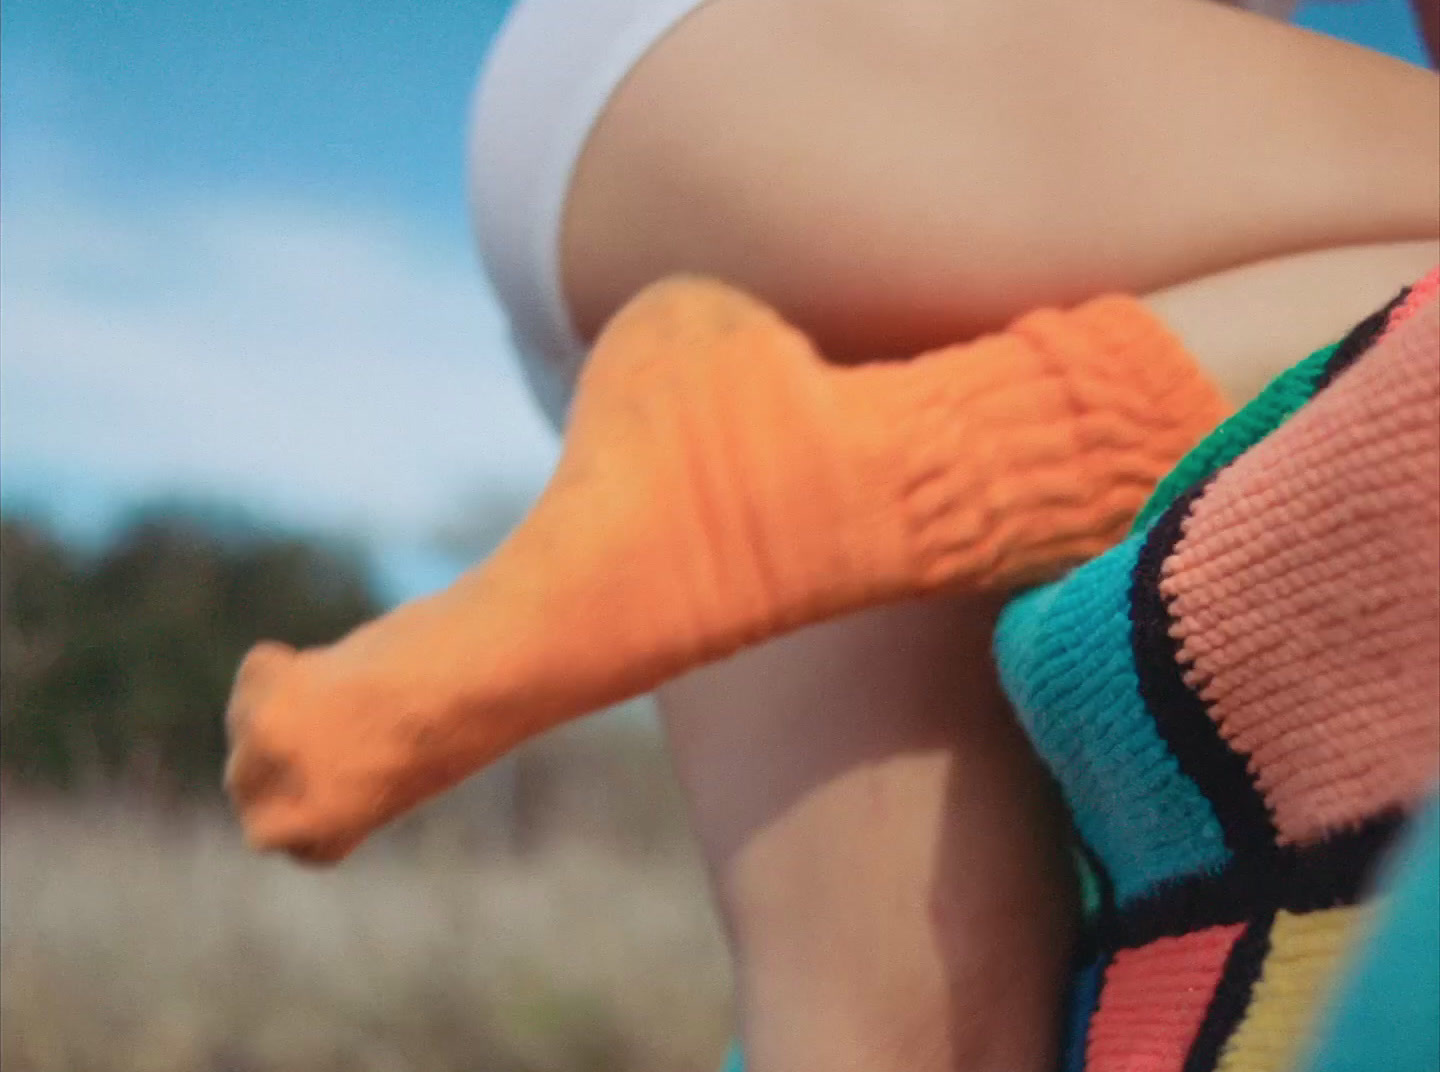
{"x": 721, "y": 483}
{"x": 1241, "y": 703}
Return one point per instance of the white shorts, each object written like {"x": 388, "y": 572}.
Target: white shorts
{"x": 549, "y": 74}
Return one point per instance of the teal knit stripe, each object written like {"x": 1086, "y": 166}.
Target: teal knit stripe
{"x": 1387, "y": 1014}
{"x": 735, "y": 1059}
{"x": 1270, "y": 409}
{"x": 1065, "y": 659}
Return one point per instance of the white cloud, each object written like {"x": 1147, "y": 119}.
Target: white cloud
{"x": 326, "y": 366}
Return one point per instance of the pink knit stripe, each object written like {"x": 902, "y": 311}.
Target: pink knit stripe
{"x": 1306, "y": 592}
{"x": 1419, "y": 294}
{"x": 1154, "y": 1000}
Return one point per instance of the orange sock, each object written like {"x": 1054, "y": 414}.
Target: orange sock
{"x": 720, "y": 484}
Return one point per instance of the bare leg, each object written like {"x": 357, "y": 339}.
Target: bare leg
{"x": 874, "y": 886}
{"x": 723, "y": 484}
{"x": 893, "y": 178}
{"x": 898, "y": 176}
{"x": 1249, "y": 323}
{"x": 883, "y": 845}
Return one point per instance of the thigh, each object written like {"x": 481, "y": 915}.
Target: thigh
{"x": 886, "y": 853}
{"x": 893, "y": 176}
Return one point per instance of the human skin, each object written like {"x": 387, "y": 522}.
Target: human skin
{"x": 887, "y": 857}
{"x": 1213, "y": 138}
{"x": 884, "y": 852}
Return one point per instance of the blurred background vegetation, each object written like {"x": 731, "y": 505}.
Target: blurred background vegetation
{"x": 115, "y": 664}
{"x": 548, "y": 916}
{"x": 238, "y": 262}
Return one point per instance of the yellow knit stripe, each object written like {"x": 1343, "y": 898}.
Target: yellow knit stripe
{"x": 1305, "y": 951}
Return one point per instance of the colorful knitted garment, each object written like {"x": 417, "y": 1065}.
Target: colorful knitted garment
{"x": 1241, "y": 703}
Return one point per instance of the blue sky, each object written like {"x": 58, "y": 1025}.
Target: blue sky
{"x": 237, "y": 265}
{"x": 236, "y": 260}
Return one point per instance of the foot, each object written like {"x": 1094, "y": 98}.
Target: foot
{"x": 720, "y": 484}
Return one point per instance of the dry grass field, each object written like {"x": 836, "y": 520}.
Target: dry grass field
{"x": 145, "y": 938}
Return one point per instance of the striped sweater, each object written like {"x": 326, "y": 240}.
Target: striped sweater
{"x": 1241, "y": 703}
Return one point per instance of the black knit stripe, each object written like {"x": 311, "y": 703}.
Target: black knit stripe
{"x": 1362, "y": 336}
{"x": 1179, "y": 712}
{"x": 1090, "y": 940}
{"x": 1331, "y": 873}
{"x": 1339, "y": 870}
{"x": 1232, "y": 995}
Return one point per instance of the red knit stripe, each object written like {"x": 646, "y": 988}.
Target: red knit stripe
{"x": 1154, "y": 1000}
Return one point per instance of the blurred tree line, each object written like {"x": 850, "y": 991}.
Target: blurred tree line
{"x": 116, "y": 664}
